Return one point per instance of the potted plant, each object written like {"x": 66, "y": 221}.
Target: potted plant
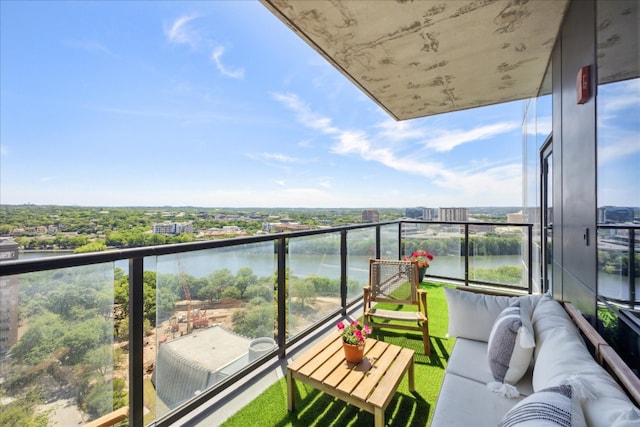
{"x": 353, "y": 339}
{"x": 422, "y": 259}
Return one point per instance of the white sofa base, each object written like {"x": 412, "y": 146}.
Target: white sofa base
{"x": 465, "y": 399}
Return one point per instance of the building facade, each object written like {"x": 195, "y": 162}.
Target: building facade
{"x": 370, "y": 215}
{"x": 453, "y": 214}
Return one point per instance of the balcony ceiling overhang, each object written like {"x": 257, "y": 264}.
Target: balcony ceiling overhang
{"x": 420, "y": 58}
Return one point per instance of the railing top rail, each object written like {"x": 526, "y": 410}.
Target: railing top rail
{"x": 12, "y": 267}
{"x": 619, "y": 226}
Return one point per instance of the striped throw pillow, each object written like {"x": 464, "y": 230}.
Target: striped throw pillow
{"x": 551, "y": 407}
{"x": 510, "y": 349}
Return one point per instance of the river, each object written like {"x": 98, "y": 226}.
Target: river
{"x": 203, "y": 263}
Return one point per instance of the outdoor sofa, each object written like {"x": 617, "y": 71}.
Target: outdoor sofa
{"x": 522, "y": 361}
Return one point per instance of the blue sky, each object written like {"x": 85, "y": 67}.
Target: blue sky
{"x": 220, "y": 104}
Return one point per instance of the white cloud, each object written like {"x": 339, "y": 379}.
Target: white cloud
{"x": 180, "y": 33}
{"x": 280, "y": 182}
{"x": 622, "y": 148}
{"x": 304, "y": 113}
{"x": 448, "y": 140}
{"x": 395, "y": 130}
{"x": 216, "y": 57}
{"x": 478, "y": 183}
{"x": 542, "y": 126}
{"x": 89, "y": 46}
{"x": 279, "y": 157}
{"x": 4, "y": 150}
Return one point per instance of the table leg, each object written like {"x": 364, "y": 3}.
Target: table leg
{"x": 378, "y": 414}
{"x": 291, "y": 383}
{"x": 412, "y": 385}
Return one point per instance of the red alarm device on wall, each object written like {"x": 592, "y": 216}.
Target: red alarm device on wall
{"x": 582, "y": 85}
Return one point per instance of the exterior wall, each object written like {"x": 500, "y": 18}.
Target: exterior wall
{"x": 574, "y": 163}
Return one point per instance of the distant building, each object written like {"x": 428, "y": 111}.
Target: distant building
{"x": 453, "y": 214}
{"x": 284, "y": 225}
{"x": 172, "y": 228}
{"x": 8, "y": 298}
{"x": 414, "y": 213}
{"x": 426, "y": 214}
{"x": 515, "y": 217}
{"x": 615, "y": 215}
{"x": 370, "y": 215}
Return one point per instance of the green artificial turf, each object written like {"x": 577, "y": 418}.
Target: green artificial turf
{"x": 314, "y": 408}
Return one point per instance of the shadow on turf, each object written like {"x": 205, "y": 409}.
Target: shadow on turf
{"x": 320, "y": 409}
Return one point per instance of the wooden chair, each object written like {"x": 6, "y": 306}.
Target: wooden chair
{"x": 396, "y": 282}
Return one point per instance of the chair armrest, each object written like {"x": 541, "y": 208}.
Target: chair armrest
{"x": 422, "y": 301}
{"x": 366, "y": 303}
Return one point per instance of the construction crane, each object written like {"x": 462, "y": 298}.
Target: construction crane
{"x": 186, "y": 291}
{"x": 195, "y": 318}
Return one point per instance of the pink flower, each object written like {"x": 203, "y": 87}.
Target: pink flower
{"x": 340, "y": 326}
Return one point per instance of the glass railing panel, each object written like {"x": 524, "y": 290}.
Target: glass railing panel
{"x": 443, "y": 241}
{"x": 313, "y": 280}
{"x": 361, "y": 247}
{"x": 60, "y": 360}
{"x": 389, "y": 243}
{"x": 495, "y": 254}
{"x": 215, "y": 314}
{"x": 614, "y": 268}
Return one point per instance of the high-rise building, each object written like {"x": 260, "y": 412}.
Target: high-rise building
{"x": 370, "y": 215}
{"x": 453, "y": 214}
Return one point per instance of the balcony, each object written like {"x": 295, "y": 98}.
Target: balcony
{"x": 169, "y": 330}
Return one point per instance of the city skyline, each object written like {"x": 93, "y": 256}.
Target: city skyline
{"x": 219, "y": 104}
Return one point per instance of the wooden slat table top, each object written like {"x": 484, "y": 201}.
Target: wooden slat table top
{"x": 370, "y": 384}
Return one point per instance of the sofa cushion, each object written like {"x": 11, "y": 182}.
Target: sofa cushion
{"x": 562, "y": 356}
{"x": 553, "y": 407}
{"x": 548, "y": 315}
{"x": 469, "y": 359}
{"x": 463, "y": 402}
{"x": 472, "y": 315}
{"x": 510, "y": 348}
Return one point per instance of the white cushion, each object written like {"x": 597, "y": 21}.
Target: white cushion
{"x": 471, "y": 315}
{"x": 510, "y": 348}
{"x": 548, "y": 315}
{"x": 468, "y": 359}
{"x": 561, "y": 356}
{"x": 463, "y": 402}
{"x": 552, "y": 407}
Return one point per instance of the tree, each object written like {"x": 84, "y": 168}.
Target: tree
{"x": 254, "y": 321}
{"x": 303, "y": 290}
{"x": 40, "y": 340}
{"x": 221, "y": 279}
{"x": 100, "y": 359}
{"x": 91, "y": 247}
{"x": 83, "y": 337}
{"x": 244, "y": 279}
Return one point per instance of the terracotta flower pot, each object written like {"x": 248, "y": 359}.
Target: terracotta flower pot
{"x": 353, "y": 353}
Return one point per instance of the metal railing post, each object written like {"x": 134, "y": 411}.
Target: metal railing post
{"x": 377, "y": 242}
{"x": 466, "y": 254}
{"x": 136, "y": 341}
{"x": 282, "y": 297}
{"x": 343, "y": 271}
{"x": 400, "y": 243}
{"x": 530, "y": 257}
{"x": 632, "y": 268}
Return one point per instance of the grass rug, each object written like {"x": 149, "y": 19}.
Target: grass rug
{"x": 315, "y": 408}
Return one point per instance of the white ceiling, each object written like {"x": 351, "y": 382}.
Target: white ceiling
{"x": 425, "y": 57}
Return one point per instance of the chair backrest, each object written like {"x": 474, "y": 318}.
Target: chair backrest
{"x": 393, "y": 281}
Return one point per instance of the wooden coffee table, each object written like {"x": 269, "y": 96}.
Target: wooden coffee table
{"x": 369, "y": 385}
